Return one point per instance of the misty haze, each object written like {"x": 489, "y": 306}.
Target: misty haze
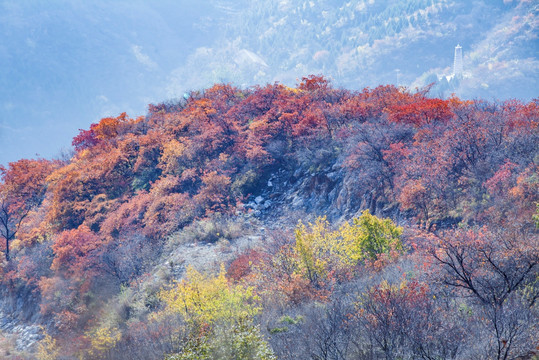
{"x": 262, "y": 180}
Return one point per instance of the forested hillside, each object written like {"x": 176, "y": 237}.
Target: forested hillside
{"x": 365, "y": 43}
{"x": 279, "y": 223}
{"x": 108, "y": 57}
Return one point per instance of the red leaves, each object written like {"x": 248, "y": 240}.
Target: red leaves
{"x": 421, "y": 112}
{"x": 243, "y": 265}
{"x": 86, "y": 139}
{"x": 132, "y": 183}
{"x": 523, "y": 116}
{"x": 314, "y": 83}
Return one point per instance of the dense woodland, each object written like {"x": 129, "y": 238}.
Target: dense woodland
{"x": 411, "y": 231}
{"x": 361, "y": 43}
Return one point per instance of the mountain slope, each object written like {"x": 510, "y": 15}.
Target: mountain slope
{"x": 365, "y": 43}
{"x": 265, "y": 221}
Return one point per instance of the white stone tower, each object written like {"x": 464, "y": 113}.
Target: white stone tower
{"x": 457, "y": 62}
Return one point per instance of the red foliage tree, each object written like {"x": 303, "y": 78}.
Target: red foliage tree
{"x": 423, "y": 111}
{"x": 76, "y": 252}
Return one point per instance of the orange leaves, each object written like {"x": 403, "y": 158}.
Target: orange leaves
{"x": 24, "y": 181}
{"x": 75, "y": 185}
{"x": 154, "y": 214}
{"x": 312, "y": 122}
{"x": 166, "y": 214}
{"x": 523, "y": 116}
{"x": 414, "y": 195}
{"x": 111, "y": 127}
{"x": 260, "y": 132}
{"x": 170, "y": 158}
{"x": 127, "y": 217}
{"x": 108, "y": 128}
{"x": 201, "y": 110}
{"x": 132, "y": 183}
{"x": 75, "y": 251}
{"x": 214, "y": 193}
{"x": 23, "y": 188}
{"x": 297, "y": 289}
{"x": 527, "y": 186}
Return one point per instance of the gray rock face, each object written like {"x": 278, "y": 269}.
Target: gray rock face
{"x": 27, "y": 336}
{"x": 19, "y": 320}
{"x": 330, "y": 190}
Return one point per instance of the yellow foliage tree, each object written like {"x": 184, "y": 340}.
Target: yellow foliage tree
{"x": 219, "y": 318}
{"x": 319, "y": 250}
{"x": 47, "y": 348}
{"x": 202, "y": 299}
{"x": 103, "y": 339}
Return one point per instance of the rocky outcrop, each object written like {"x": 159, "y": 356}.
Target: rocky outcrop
{"x": 20, "y": 318}
{"x": 330, "y": 191}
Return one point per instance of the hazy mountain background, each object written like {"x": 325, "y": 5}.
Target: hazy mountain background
{"x": 65, "y": 64}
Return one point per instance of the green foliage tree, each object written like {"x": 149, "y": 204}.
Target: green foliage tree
{"x": 376, "y": 236}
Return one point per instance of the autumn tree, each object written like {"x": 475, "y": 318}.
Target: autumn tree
{"x": 422, "y": 111}
{"x": 368, "y": 159}
{"x": 498, "y": 270}
{"x": 21, "y": 190}
{"x": 86, "y": 139}
{"x": 406, "y": 318}
{"x": 219, "y": 317}
{"x": 76, "y": 252}
{"x": 47, "y": 348}
{"x": 134, "y": 188}
{"x": 321, "y": 251}
{"x": 320, "y": 257}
